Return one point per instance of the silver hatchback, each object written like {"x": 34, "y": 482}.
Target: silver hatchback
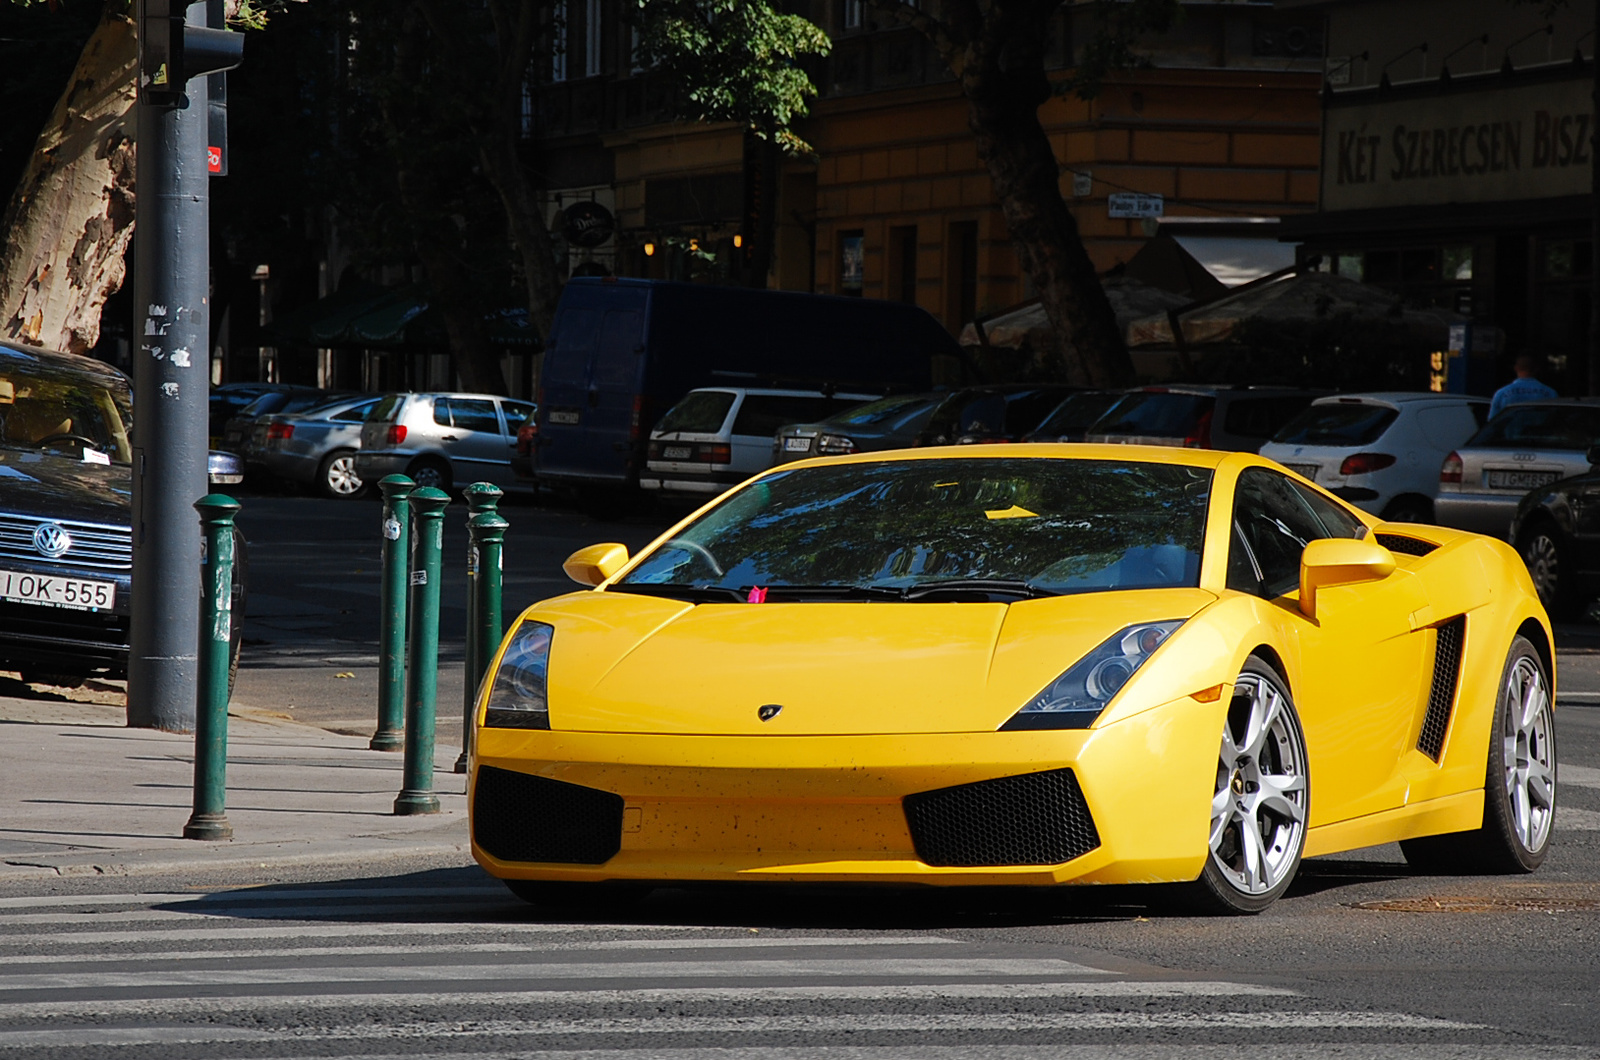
{"x": 317, "y": 447}
{"x": 1525, "y": 447}
{"x": 442, "y": 440}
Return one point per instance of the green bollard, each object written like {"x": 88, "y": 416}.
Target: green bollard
{"x": 210, "y": 817}
{"x": 488, "y": 530}
{"x": 392, "y": 613}
{"x": 422, "y": 674}
{"x": 481, "y": 497}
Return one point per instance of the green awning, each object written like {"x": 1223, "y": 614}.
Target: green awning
{"x": 363, "y": 316}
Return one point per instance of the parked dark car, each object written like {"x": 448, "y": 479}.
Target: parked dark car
{"x": 1070, "y": 421}
{"x": 888, "y": 423}
{"x": 1240, "y": 419}
{"x": 228, "y": 400}
{"x": 978, "y": 415}
{"x": 1557, "y": 531}
{"x": 66, "y": 543}
{"x": 237, "y": 433}
{"x": 622, "y": 351}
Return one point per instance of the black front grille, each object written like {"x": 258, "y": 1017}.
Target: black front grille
{"x": 1411, "y": 546}
{"x": 1032, "y": 819}
{"x": 518, "y": 817}
{"x": 1442, "y": 695}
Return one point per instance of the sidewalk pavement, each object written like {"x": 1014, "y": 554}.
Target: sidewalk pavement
{"x": 85, "y": 795}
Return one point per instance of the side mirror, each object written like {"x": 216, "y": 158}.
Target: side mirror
{"x": 224, "y": 469}
{"x": 593, "y": 565}
{"x": 1340, "y": 561}
{"x": 1593, "y": 456}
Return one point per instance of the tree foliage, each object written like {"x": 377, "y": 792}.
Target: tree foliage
{"x": 733, "y": 60}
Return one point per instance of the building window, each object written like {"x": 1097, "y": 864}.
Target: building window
{"x": 852, "y": 261}
{"x": 558, "y": 45}
{"x": 593, "y": 47}
{"x": 852, "y": 14}
{"x": 962, "y": 255}
{"x": 903, "y": 263}
{"x": 527, "y": 106}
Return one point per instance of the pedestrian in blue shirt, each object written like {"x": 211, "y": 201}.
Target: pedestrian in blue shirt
{"x": 1525, "y": 387}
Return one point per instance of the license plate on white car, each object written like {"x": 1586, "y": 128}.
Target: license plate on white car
{"x": 1305, "y": 470}
{"x": 796, "y": 445}
{"x": 677, "y": 452}
{"x": 1521, "y": 480}
{"x": 53, "y": 590}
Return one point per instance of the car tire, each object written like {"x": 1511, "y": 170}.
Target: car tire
{"x": 563, "y": 894}
{"x": 1408, "y": 509}
{"x": 1545, "y": 556}
{"x": 1519, "y": 791}
{"x": 1258, "y": 825}
{"x": 430, "y": 471}
{"x": 336, "y": 475}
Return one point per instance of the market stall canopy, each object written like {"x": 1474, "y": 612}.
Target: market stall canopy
{"x": 1130, "y": 300}
{"x": 1304, "y": 297}
{"x": 363, "y": 316}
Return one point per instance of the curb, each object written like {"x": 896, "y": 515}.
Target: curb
{"x": 169, "y": 861}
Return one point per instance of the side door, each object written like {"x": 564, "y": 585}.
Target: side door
{"x": 1360, "y": 688}
{"x": 512, "y": 413}
{"x": 474, "y": 440}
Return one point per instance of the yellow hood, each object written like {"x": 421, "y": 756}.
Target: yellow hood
{"x": 621, "y": 662}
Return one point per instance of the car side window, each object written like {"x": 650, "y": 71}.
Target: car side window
{"x": 1334, "y": 519}
{"x": 1242, "y": 573}
{"x": 472, "y": 414}
{"x": 1277, "y": 523}
{"x": 356, "y": 413}
{"x": 441, "y": 411}
{"x": 516, "y": 412}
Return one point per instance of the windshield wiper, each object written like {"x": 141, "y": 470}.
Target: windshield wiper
{"x": 833, "y": 592}
{"x": 1000, "y": 586}
{"x": 694, "y": 594}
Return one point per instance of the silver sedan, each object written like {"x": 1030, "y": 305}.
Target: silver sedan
{"x": 318, "y": 446}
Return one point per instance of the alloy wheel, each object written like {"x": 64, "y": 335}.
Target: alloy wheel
{"x": 1543, "y": 560}
{"x": 1529, "y": 753}
{"x": 341, "y": 477}
{"x": 1258, "y": 814}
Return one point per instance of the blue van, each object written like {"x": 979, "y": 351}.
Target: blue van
{"x": 622, "y": 351}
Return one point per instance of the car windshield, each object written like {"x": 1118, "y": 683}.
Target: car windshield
{"x": 1076, "y": 414}
{"x": 1574, "y": 427}
{"x": 880, "y": 411}
{"x": 700, "y": 412}
{"x": 1337, "y": 423}
{"x": 1155, "y": 413}
{"x": 47, "y": 407}
{"x": 918, "y": 528}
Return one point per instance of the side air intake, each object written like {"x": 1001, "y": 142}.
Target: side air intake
{"x": 1442, "y": 695}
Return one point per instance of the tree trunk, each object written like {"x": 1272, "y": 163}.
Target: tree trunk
{"x": 498, "y": 153}
{"x": 69, "y": 222}
{"x": 1003, "y": 112}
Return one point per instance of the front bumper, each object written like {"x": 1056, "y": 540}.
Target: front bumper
{"x": 841, "y": 808}
{"x": 1477, "y": 512}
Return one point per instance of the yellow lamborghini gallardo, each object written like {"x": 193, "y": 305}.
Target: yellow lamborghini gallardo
{"x": 1024, "y": 665}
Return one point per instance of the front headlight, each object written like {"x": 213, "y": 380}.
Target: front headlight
{"x": 518, "y": 697}
{"x": 1076, "y": 698}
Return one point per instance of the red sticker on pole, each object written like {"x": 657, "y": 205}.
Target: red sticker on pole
{"x": 214, "y": 159}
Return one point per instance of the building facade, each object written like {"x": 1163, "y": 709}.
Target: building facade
{"x": 1457, "y": 161}
{"x": 1222, "y": 124}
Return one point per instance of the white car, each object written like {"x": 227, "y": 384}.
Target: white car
{"x": 1381, "y": 452}
{"x": 716, "y": 437}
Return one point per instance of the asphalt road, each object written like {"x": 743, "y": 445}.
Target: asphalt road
{"x": 1363, "y": 958}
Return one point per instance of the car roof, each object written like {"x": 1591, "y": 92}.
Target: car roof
{"x": 21, "y": 352}
{"x": 764, "y": 391}
{"x": 1399, "y": 397}
{"x": 1208, "y": 390}
{"x": 1126, "y": 454}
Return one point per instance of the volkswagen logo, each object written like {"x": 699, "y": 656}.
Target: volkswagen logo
{"x": 51, "y": 540}
{"x": 768, "y": 711}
